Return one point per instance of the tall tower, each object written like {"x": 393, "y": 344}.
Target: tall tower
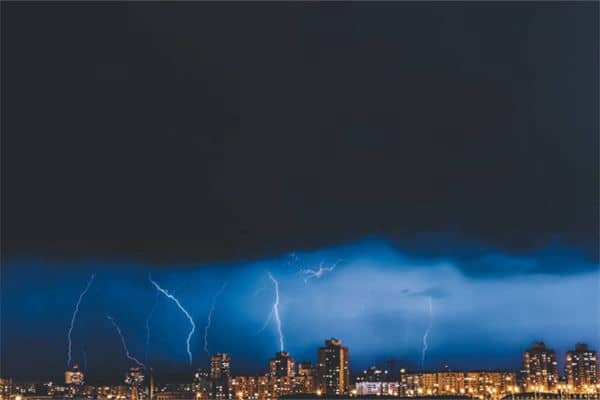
{"x": 220, "y": 366}
{"x": 282, "y": 365}
{"x": 282, "y": 373}
{"x": 202, "y": 384}
{"x": 581, "y": 368}
{"x": 74, "y": 376}
{"x": 74, "y": 380}
{"x": 220, "y": 375}
{"x": 540, "y": 370}
{"x": 134, "y": 378}
{"x": 333, "y": 373}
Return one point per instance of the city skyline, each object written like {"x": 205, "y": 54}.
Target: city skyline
{"x": 329, "y": 376}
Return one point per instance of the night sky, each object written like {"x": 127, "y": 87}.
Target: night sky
{"x": 441, "y": 152}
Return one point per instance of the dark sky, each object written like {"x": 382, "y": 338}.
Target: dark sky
{"x": 442, "y": 151}
{"x": 203, "y": 132}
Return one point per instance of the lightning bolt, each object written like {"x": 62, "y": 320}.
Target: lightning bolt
{"x": 183, "y": 310}
{"x": 276, "y": 311}
{"x": 317, "y": 273}
{"x": 209, "y": 318}
{"x": 426, "y": 334}
{"x": 129, "y": 356}
{"x": 266, "y": 323}
{"x": 75, "y": 312}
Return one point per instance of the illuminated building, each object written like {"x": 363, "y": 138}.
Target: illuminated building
{"x": 244, "y": 387}
{"x": 134, "y": 378}
{"x": 178, "y": 395}
{"x": 480, "y": 384}
{"x": 5, "y": 388}
{"x": 333, "y": 375}
{"x": 378, "y": 388}
{"x": 202, "y": 384}
{"x": 305, "y": 379}
{"x": 74, "y": 380}
{"x": 490, "y": 384}
{"x": 375, "y": 382}
{"x": 373, "y": 374}
{"x": 282, "y": 365}
{"x": 581, "y": 369}
{"x": 252, "y": 388}
{"x": 540, "y": 370}
{"x": 74, "y": 376}
{"x": 220, "y": 366}
{"x": 220, "y": 375}
{"x": 282, "y": 374}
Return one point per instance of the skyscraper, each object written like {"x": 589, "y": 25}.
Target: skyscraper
{"x": 282, "y": 373}
{"x": 220, "y": 374}
{"x": 220, "y": 366}
{"x": 202, "y": 383}
{"x": 581, "y": 368}
{"x": 74, "y": 376}
{"x": 134, "y": 378}
{"x": 282, "y": 365}
{"x": 74, "y": 380}
{"x": 333, "y": 374}
{"x": 540, "y": 370}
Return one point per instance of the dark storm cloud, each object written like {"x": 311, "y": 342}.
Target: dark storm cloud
{"x": 205, "y": 132}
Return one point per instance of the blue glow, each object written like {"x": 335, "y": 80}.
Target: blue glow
{"x": 375, "y": 301}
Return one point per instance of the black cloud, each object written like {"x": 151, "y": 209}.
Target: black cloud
{"x": 202, "y": 132}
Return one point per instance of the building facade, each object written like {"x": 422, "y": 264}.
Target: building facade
{"x": 134, "y": 379}
{"x": 581, "y": 369}
{"x": 333, "y": 373}
{"x": 540, "y": 369}
{"x": 220, "y": 376}
{"x": 305, "y": 379}
{"x": 480, "y": 384}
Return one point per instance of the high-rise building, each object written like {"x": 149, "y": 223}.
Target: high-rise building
{"x": 220, "y": 366}
{"x": 220, "y": 375}
{"x": 581, "y": 369}
{"x": 202, "y": 384}
{"x": 5, "y": 388}
{"x": 134, "y": 378}
{"x": 74, "y": 376}
{"x": 282, "y": 374}
{"x": 74, "y": 380}
{"x": 540, "y": 370}
{"x": 282, "y": 365}
{"x": 333, "y": 374}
